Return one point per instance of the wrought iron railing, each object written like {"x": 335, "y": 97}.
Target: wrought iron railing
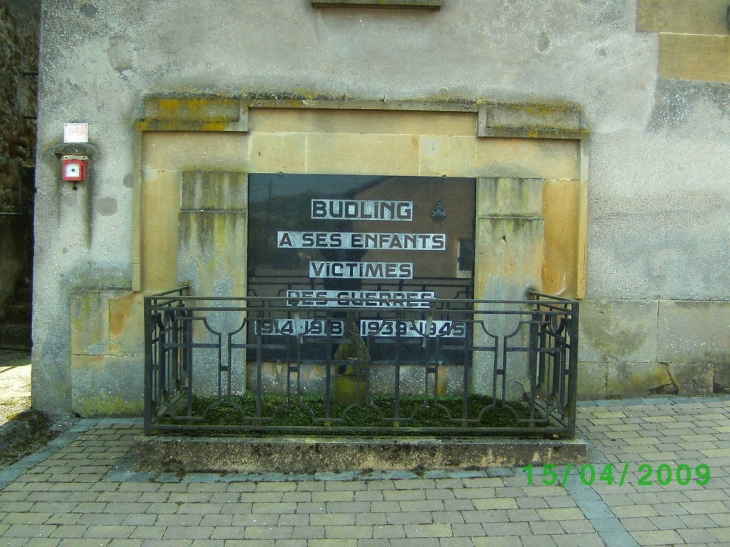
{"x": 396, "y": 366}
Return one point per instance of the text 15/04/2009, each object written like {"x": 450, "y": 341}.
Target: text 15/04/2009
{"x": 663, "y": 474}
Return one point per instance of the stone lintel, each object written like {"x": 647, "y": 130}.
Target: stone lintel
{"x": 195, "y": 114}
{"x": 530, "y": 122}
{"x": 420, "y": 4}
{"x": 75, "y": 149}
{"x": 436, "y": 105}
{"x": 203, "y": 113}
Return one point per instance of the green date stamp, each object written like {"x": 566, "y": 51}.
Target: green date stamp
{"x": 647, "y": 474}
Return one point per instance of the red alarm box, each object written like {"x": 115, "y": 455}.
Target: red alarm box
{"x": 73, "y": 170}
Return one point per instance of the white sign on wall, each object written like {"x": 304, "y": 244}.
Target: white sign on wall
{"x": 360, "y": 299}
{"x": 358, "y": 209}
{"x": 360, "y": 270}
{"x": 361, "y": 240}
{"x": 75, "y": 132}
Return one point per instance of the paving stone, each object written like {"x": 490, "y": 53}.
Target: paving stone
{"x": 658, "y": 537}
{"x": 426, "y": 505}
{"x": 439, "y": 494}
{"x": 497, "y": 541}
{"x": 495, "y": 503}
{"x": 440, "y": 503}
{"x": 583, "y": 540}
{"x": 29, "y": 530}
{"x": 630, "y": 511}
{"x": 447, "y": 517}
{"x": 308, "y": 532}
{"x": 577, "y": 527}
{"x": 535, "y": 502}
{"x": 299, "y": 519}
{"x": 410, "y": 518}
{"x": 371, "y": 519}
{"x": 333, "y": 543}
{"x": 696, "y": 536}
{"x": 459, "y": 505}
{"x": 546, "y": 528}
{"x": 456, "y": 542}
{"x": 560, "y": 514}
{"x": 352, "y": 531}
{"x": 404, "y": 495}
{"x": 108, "y": 532}
{"x": 471, "y": 529}
{"x": 484, "y": 517}
{"x": 70, "y": 531}
{"x": 373, "y": 543}
{"x": 415, "y": 542}
{"x": 348, "y": 507}
{"x": 342, "y": 519}
{"x": 149, "y": 532}
{"x": 328, "y": 496}
{"x": 428, "y": 530}
{"x": 537, "y": 541}
{"x": 75, "y": 542}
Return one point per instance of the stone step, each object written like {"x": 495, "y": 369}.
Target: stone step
{"x": 15, "y": 336}
{"x": 162, "y": 453}
{"x": 18, "y": 312}
{"x": 24, "y": 294}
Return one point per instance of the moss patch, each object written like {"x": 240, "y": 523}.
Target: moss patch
{"x": 409, "y": 414}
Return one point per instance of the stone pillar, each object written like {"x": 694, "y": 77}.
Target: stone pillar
{"x": 508, "y": 263}
{"x": 212, "y": 260}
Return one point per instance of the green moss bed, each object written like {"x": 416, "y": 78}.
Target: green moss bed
{"x": 310, "y": 411}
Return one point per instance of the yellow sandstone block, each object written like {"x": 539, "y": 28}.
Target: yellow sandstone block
{"x": 278, "y": 153}
{"x": 160, "y": 219}
{"x": 126, "y": 322}
{"x": 190, "y": 151}
{"x": 683, "y": 16}
{"x": 694, "y": 57}
{"x": 357, "y": 154}
{"x": 447, "y": 156}
{"x": 283, "y": 120}
{"x": 90, "y": 323}
{"x": 561, "y": 211}
{"x": 534, "y": 158}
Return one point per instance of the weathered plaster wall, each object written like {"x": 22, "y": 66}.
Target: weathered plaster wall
{"x": 658, "y": 176}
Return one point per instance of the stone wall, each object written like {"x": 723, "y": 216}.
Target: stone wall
{"x": 694, "y": 43}
{"x": 632, "y": 348}
{"x": 18, "y": 68}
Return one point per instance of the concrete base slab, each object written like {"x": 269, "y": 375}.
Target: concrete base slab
{"x": 312, "y": 455}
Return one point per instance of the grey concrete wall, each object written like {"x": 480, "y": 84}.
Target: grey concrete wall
{"x": 658, "y": 172}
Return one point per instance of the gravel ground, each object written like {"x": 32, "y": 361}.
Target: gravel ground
{"x": 14, "y": 383}
{"x": 22, "y": 430}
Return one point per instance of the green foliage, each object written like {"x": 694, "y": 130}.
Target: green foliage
{"x": 384, "y": 412}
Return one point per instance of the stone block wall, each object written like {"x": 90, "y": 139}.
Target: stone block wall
{"x": 19, "y": 65}
{"x": 107, "y": 358}
{"x": 18, "y": 69}
{"x": 653, "y": 347}
{"x": 694, "y": 37}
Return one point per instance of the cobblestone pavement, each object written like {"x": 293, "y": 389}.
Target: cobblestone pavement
{"x": 659, "y": 474}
